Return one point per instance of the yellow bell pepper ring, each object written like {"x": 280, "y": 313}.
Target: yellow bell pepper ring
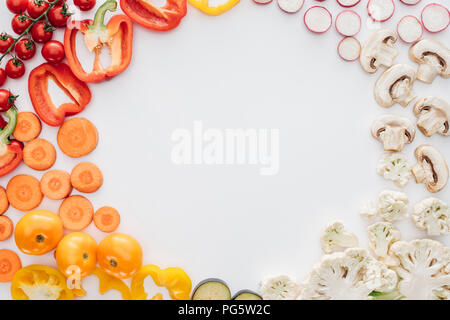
{"x": 175, "y": 280}
{"x": 204, "y": 6}
{"x": 107, "y": 282}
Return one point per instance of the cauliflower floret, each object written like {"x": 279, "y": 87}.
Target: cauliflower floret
{"x": 336, "y": 238}
{"x": 394, "y": 166}
{"x": 391, "y": 206}
{"x": 432, "y": 215}
{"x": 381, "y": 236}
{"x": 349, "y": 275}
{"x": 423, "y": 267}
{"x": 282, "y": 287}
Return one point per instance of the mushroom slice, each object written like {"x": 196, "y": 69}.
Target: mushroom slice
{"x": 379, "y": 50}
{"x": 431, "y": 168}
{"x": 433, "y": 116}
{"x": 395, "y": 86}
{"x": 394, "y": 131}
{"x": 433, "y": 58}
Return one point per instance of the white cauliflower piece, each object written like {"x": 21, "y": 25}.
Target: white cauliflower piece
{"x": 381, "y": 236}
{"x": 395, "y": 166}
{"x": 423, "y": 268}
{"x": 282, "y": 287}
{"x": 391, "y": 206}
{"x": 349, "y": 275}
{"x": 432, "y": 215}
{"x": 336, "y": 238}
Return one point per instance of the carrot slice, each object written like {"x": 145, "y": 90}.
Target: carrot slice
{"x": 4, "y": 203}
{"x": 6, "y": 228}
{"x": 76, "y": 213}
{"x": 24, "y": 192}
{"x": 77, "y": 137}
{"x": 107, "y": 219}
{"x": 39, "y": 154}
{"x": 28, "y": 127}
{"x": 9, "y": 265}
{"x": 55, "y": 184}
{"x": 86, "y": 177}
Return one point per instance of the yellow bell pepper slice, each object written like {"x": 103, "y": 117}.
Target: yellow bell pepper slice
{"x": 175, "y": 280}
{"x": 107, "y": 282}
{"x": 204, "y": 6}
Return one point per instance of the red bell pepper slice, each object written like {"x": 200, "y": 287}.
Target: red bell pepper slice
{"x": 117, "y": 35}
{"x": 75, "y": 89}
{"x": 11, "y": 151}
{"x": 147, "y": 15}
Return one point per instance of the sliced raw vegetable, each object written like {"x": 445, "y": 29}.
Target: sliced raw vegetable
{"x": 77, "y": 137}
{"x": 86, "y": 177}
{"x": 380, "y": 10}
{"x": 107, "y": 219}
{"x": 349, "y": 49}
{"x": 348, "y": 23}
{"x": 348, "y": 3}
{"x": 247, "y": 295}
{"x": 435, "y": 18}
{"x": 9, "y": 265}
{"x": 39, "y": 154}
{"x": 55, "y": 184}
{"x": 24, "y": 192}
{"x": 4, "y": 203}
{"x": 318, "y": 19}
{"x": 28, "y": 127}
{"x": 409, "y": 29}
{"x": 6, "y": 228}
{"x": 410, "y": 2}
{"x": 76, "y": 213}
{"x": 262, "y": 1}
{"x": 212, "y": 289}
{"x": 291, "y": 6}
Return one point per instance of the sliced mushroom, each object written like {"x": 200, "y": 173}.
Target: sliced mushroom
{"x": 379, "y": 50}
{"x": 433, "y": 116}
{"x": 433, "y": 58}
{"x": 394, "y": 131}
{"x": 395, "y": 86}
{"x": 431, "y": 168}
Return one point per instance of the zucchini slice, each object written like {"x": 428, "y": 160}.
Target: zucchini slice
{"x": 212, "y": 289}
{"x": 247, "y": 295}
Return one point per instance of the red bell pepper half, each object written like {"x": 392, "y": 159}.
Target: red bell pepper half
{"x": 147, "y": 15}
{"x": 62, "y": 75}
{"x": 117, "y": 35}
{"x": 11, "y": 151}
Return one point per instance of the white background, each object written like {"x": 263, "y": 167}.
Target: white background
{"x": 253, "y": 67}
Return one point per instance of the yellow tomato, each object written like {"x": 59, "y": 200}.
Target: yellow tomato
{"x": 119, "y": 255}
{"x": 38, "y": 232}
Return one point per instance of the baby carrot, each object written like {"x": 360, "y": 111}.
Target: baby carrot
{"x": 6, "y": 228}
{"x": 39, "y": 154}
{"x": 4, "y": 203}
{"x": 9, "y": 265}
{"x": 28, "y": 127}
{"x": 86, "y": 177}
{"x": 77, "y": 137}
{"x": 55, "y": 184}
{"x": 107, "y": 219}
{"x": 76, "y": 213}
{"x": 24, "y": 192}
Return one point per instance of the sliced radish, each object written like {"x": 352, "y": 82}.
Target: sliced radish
{"x": 349, "y": 49}
{"x": 409, "y": 29}
{"x": 348, "y": 3}
{"x": 435, "y": 17}
{"x": 262, "y": 1}
{"x": 410, "y": 2}
{"x": 380, "y": 10}
{"x": 290, "y": 6}
{"x": 318, "y": 19}
{"x": 348, "y": 23}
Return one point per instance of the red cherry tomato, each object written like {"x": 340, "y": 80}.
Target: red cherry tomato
{"x": 17, "y": 6}
{"x": 6, "y": 100}
{"x": 36, "y": 8}
{"x": 6, "y": 41}
{"x": 84, "y": 5}
{"x": 53, "y": 51}
{"x": 15, "y": 68}
{"x": 58, "y": 16}
{"x": 42, "y": 32}
{"x": 20, "y": 23}
{"x": 2, "y": 76}
{"x": 25, "y": 49}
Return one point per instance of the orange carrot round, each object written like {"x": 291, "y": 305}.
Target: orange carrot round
{"x": 77, "y": 137}
{"x": 86, "y": 177}
{"x": 55, "y": 184}
{"x": 76, "y": 213}
{"x": 24, "y": 192}
{"x": 107, "y": 219}
{"x": 4, "y": 203}
{"x": 9, "y": 265}
{"x": 39, "y": 154}
{"x": 6, "y": 228}
{"x": 28, "y": 127}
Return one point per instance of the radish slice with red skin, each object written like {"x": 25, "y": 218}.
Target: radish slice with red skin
{"x": 348, "y": 23}
{"x": 262, "y": 1}
{"x": 318, "y": 19}
{"x": 291, "y": 6}
{"x": 348, "y": 3}
{"x": 409, "y": 29}
{"x": 435, "y": 18}
{"x": 410, "y": 2}
{"x": 349, "y": 49}
{"x": 380, "y": 10}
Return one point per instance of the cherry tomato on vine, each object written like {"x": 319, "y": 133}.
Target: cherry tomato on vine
{"x": 58, "y": 16}
{"x": 2, "y": 76}
{"x": 6, "y": 100}
{"x": 6, "y": 41}
{"x": 20, "y": 23}
{"x": 25, "y": 49}
{"x": 15, "y": 68}
{"x": 84, "y": 5}
{"x": 36, "y": 8}
{"x": 42, "y": 32}
{"x": 53, "y": 51}
{"x": 17, "y": 6}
